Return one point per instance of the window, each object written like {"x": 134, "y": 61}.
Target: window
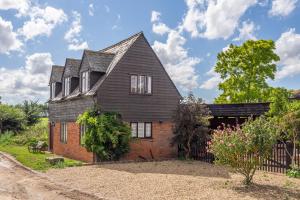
{"x": 82, "y": 133}
{"x": 141, "y": 129}
{"x": 63, "y": 132}
{"x": 85, "y": 81}
{"x": 134, "y": 81}
{"x": 52, "y": 94}
{"x": 140, "y": 84}
{"x": 67, "y": 86}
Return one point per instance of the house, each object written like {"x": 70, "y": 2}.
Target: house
{"x": 127, "y": 78}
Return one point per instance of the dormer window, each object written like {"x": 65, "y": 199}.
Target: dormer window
{"x": 85, "y": 82}
{"x": 140, "y": 84}
{"x": 67, "y": 86}
{"x": 52, "y": 87}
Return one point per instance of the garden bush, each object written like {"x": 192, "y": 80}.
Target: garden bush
{"x": 244, "y": 148}
{"x": 106, "y": 134}
{"x": 11, "y": 118}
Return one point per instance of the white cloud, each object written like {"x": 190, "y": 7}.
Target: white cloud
{"x": 28, "y": 82}
{"x": 21, "y": 5}
{"x": 72, "y": 36}
{"x": 8, "y": 38}
{"x": 174, "y": 57}
{"x": 247, "y": 31}
{"x": 155, "y": 16}
{"x": 91, "y": 9}
{"x": 160, "y": 28}
{"x": 213, "y": 19}
{"x": 282, "y": 7}
{"x": 288, "y": 49}
{"x": 42, "y": 21}
{"x": 212, "y": 82}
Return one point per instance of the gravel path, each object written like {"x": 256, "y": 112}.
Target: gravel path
{"x": 173, "y": 180}
{"x": 19, "y": 183}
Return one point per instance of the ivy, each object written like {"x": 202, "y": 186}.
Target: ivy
{"x": 106, "y": 134}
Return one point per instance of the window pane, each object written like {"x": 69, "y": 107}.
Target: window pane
{"x": 133, "y": 84}
{"x": 141, "y": 84}
{"x": 149, "y": 84}
{"x": 134, "y": 129}
{"x": 148, "y": 129}
{"x": 141, "y": 127}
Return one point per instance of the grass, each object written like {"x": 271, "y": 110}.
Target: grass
{"x": 35, "y": 161}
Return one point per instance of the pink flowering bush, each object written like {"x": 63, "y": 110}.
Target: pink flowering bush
{"x": 244, "y": 148}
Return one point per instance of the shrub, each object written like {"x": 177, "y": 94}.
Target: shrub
{"x": 6, "y": 138}
{"x": 11, "y": 118}
{"x": 294, "y": 172}
{"x": 244, "y": 148}
{"x": 106, "y": 134}
{"x": 191, "y": 121}
{"x": 32, "y": 110}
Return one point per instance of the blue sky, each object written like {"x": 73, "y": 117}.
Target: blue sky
{"x": 186, "y": 34}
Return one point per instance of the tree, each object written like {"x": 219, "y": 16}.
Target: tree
{"x": 11, "y": 118}
{"x": 191, "y": 121}
{"x": 32, "y": 110}
{"x": 244, "y": 70}
{"x": 289, "y": 128}
{"x": 244, "y": 148}
{"x": 279, "y": 98}
{"x": 106, "y": 134}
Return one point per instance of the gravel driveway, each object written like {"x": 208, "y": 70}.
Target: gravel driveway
{"x": 19, "y": 183}
{"x": 173, "y": 180}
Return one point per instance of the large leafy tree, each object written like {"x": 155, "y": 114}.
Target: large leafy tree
{"x": 32, "y": 110}
{"x": 191, "y": 121}
{"x": 244, "y": 70}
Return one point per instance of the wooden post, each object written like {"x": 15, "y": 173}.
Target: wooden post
{"x": 289, "y": 148}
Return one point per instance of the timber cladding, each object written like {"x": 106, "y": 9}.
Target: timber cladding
{"x": 69, "y": 110}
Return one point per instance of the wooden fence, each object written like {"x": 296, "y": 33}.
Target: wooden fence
{"x": 279, "y": 161}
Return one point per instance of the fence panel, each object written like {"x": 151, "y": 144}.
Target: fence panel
{"x": 279, "y": 161}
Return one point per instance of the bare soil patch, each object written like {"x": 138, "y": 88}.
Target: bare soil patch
{"x": 173, "y": 180}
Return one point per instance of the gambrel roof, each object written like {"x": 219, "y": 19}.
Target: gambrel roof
{"x": 56, "y": 74}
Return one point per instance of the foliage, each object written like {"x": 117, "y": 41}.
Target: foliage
{"x": 32, "y": 110}
{"x": 37, "y": 132}
{"x": 244, "y": 70}
{"x": 11, "y": 118}
{"x": 6, "y": 138}
{"x": 36, "y": 161}
{"x": 293, "y": 173}
{"x": 279, "y": 98}
{"x": 289, "y": 128}
{"x": 191, "y": 121}
{"x": 106, "y": 135}
{"x": 244, "y": 148}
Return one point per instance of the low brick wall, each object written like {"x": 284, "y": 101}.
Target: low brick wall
{"x": 155, "y": 148}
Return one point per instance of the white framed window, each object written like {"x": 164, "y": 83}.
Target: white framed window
{"x": 63, "y": 132}
{"x": 141, "y": 129}
{"x": 82, "y": 133}
{"x": 133, "y": 129}
{"x": 67, "y": 86}
{"x": 52, "y": 86}
{"x": 140, "y": 84}
{"x": 133, "y": 83}
{"x": 85, "y": 82}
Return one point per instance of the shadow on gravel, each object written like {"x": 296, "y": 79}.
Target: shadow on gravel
{"x": 268, "y": 192}
{"x": 191, "y": 168}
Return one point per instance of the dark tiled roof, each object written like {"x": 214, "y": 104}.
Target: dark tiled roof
{"x": 56, "y": 73}
{"x": 72, "y": 67}
{"x": 238, "y": 110}
{"x": 98, "y": 61}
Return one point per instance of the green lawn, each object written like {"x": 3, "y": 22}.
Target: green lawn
{"x": 35, "y": 161}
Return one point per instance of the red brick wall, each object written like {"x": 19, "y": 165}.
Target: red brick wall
{"x": 72, "y": 149}
{"x": 158, "y": 145}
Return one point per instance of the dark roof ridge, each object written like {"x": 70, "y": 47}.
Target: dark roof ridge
{"x": 122, "y": 41}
